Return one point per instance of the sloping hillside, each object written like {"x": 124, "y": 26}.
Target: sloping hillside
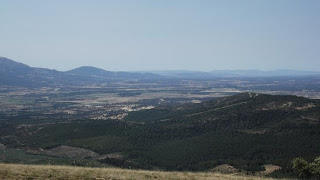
{"x": 17, "y": 74}
{"x": 247, "y": 127}
{"x": 246, "y": 131}
{"x": 100, "y": 73}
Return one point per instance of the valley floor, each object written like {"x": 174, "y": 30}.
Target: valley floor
{"x": 15, "y": 171}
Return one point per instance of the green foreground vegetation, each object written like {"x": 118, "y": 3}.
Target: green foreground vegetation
{"x": 307, "y": 170}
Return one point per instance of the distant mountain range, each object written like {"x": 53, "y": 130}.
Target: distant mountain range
{"x": 13, "y": 73}
{"x": 235, "y": 73}
{"x": 90, "y": 71}
{"x": 17, "y": 74}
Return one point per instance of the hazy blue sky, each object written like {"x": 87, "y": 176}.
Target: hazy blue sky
{"x": 162, "y": 34}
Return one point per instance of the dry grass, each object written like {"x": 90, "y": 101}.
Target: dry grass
{"x": 15, "y": 171}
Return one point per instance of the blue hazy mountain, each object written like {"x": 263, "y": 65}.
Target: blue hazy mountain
{"x": 101, "y": 73}
{"x": 236, "y": 73}
{"x": 13, "y": 73}
{"x": 17, "y": 74}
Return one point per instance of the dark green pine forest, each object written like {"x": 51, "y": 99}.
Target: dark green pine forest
{"x": 246, "y": 130}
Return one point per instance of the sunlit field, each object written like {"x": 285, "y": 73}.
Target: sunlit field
{"x": 15, "y": 171}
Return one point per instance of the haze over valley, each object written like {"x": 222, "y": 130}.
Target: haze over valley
{"x": 138, "y": 89}
{"x": 92, "y": 117}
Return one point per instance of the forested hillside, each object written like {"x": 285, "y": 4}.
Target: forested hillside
{"x": 246, "y": 130}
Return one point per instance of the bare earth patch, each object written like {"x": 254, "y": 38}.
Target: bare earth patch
{"x": 66, "y": 151}
{"x": 2, "y": 146}
{"x": 306, "y": 106}
{"x": 111, "y": 156}
{"x": 225, "y": 169}
{"x": 270, "y": 168}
